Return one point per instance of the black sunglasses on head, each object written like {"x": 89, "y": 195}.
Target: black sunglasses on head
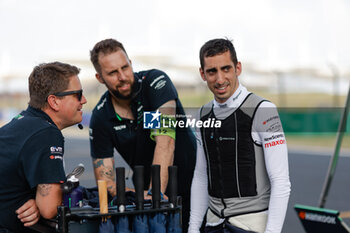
{"x": 79, "y": 94}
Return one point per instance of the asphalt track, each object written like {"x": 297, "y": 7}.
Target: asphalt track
{"x": 307, "y": 174}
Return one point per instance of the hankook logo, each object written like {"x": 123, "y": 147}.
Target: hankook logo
{"x": 317, "y": 218}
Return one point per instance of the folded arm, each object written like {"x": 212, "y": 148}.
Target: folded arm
{"x": 48, "y": 198}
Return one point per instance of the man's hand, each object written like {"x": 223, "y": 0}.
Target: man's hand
{"x": 28, "y": 213}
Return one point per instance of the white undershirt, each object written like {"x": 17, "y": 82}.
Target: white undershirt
{"x": 265, "y": 123}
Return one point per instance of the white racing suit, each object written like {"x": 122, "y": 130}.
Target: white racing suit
{"x": 241, "y": 172}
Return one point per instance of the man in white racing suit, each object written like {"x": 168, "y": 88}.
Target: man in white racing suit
{"x": 241, "y": 179}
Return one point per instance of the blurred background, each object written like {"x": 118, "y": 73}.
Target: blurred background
{"x": 294, "y": 53}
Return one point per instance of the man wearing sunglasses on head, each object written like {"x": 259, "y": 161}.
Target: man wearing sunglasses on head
{"x": 32, "y": 147}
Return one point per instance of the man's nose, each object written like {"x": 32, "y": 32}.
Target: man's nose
{"x": 83, "y": 100}
{"x": 220, "y": 78}
{"x": 122, "y": 76}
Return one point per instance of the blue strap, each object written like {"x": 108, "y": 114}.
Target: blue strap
{"x": 149, "y": 193}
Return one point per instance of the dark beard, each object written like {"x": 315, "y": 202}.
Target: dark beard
{"x": 117, "y": 94}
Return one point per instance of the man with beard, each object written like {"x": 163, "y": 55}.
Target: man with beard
{"x": 117, "y": 122}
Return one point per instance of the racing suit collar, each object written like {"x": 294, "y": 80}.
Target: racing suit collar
{"x": 235, "y": 100}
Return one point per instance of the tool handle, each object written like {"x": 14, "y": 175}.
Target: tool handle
{"x": 120, "y": 171}
{"x": 156, "y": 186}
{"x": 172, "y": 184}
{"x": 102, "y": 195}
{"x": 139, "y": 185}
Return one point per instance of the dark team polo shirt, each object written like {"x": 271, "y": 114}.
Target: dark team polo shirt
{"x": 31, "y": 153}
{"x": 109, "y": 131}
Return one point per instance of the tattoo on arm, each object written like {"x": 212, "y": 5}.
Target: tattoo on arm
{"x": 44, "y": 189}
{"x": 107, "y": 172}
{"x": 98, "y": 163}
{"x": 104, "y": 169}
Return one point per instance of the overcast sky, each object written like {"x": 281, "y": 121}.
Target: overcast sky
{"x": 273, "y": 34}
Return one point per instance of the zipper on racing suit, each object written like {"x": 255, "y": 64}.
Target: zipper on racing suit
{"x": 237, "y": 175}
{"x": 207, "y": 155}
{"x": 218, "y": 151}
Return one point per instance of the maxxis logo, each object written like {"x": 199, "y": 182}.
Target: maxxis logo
{"x": 275, "y": 143}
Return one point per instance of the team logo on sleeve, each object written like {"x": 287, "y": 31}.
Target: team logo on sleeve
{"x": 273, "y": 124}
{"x": 270, "y": 119}
{"x": 151, "y": 120}
{"x": 56, "y": 157}
{"x": 158, "y": 83}
{"x": 56, "y": 150}
{"x": 274, "y": 140}
{"x": 275, "y": 143}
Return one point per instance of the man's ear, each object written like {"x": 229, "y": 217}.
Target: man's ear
{"x": 99, "y": 78}
{"x": 201, "y": 71}
{"x": 238, "y": 68}
{"x": 53, "y": 103}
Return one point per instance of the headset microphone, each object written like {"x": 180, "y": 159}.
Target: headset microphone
{"x": 80, "y": 126}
